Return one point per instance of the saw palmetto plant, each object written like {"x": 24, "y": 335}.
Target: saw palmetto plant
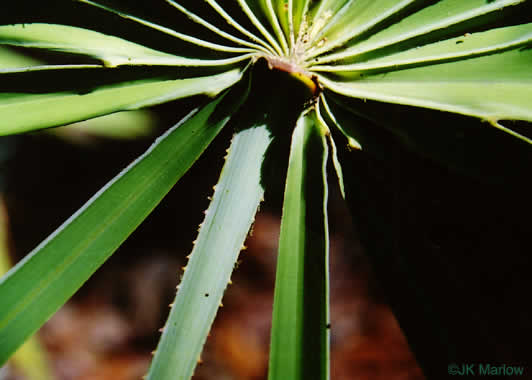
{"x": 314, "y": 74}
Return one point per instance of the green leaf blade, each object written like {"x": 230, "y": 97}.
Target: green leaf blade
{"x": 446, "y": 16}
{"x": 234, "y": 24}
{"x": 112, "y": 51}
{"x": 355, "y": 18}
{"x": 30, "y": 358}
{"x": 44, "y": 280}
{"x": 270, "y": 12}
{"x": 10, "y": 59}
{"x": 504, "y": 81}
{"x": 458, "y": 48}
{"x": 181, "y": 36}
{"x": 300, "y": 331}
{"x": 221, "y": 237}
{"x": 23, "y": 112}
{"x": 299, "y": 10}
{"x": 259, "y": 20}
{"x": 214, "y": 28}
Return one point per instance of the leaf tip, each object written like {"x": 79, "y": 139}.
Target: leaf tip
{"x": 353, "y": 144}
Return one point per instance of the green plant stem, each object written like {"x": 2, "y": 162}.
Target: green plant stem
{"x": 221, "y": 237}
{"x": 300, "y": 330}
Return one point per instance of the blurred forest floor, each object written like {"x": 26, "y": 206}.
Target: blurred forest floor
{"x": 110, "y": 327}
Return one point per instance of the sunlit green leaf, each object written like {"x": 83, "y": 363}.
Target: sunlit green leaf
{"x": 353, "y": 19}
{"x": 9, "y": 59}
{"x": 300, "y": 329}
{"x": 248, "y": 9}
{"x": 22, "y": 112}
{"x": 235, "y": 24}
{"x": 46, "y": 278}
{"x": 112, "y": 51}
{"x": 214, "y": 28}
{"x": 298, "y": 11}
{"x": 463, "y": 47}
{"x": 493, "y": 87}
{"x": 444, "y": 16}
{"x": 184, "y": 37}
{"x": 221, "y": 237}
{"x": 270, "y": 9}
